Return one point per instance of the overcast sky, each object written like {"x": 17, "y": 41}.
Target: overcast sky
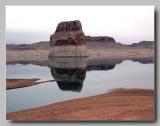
{"x": 127, "y": 24}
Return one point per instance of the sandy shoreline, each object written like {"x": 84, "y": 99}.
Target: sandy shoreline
{"x": 20, "y": 83}
{"x": 123, "y": 104}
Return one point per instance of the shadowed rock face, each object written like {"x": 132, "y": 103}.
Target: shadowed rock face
{"x": 68, "y": 40}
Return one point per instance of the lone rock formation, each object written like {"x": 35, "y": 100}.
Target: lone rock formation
{"x": 68, "y": 40}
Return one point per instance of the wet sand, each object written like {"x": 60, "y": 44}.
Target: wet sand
{"x": 118, "y": 105}
{"x": 20, "y": 83}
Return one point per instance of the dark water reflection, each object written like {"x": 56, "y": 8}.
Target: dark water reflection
{"x": 69, "y": 79}
{"x": 76, "y": 78}
{"x": 69, "y": 73}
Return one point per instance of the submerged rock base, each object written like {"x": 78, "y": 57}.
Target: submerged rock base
{"x": 68, "y": 62}
{"x": 68, "y": 51}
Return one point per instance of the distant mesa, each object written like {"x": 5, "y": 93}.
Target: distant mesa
{"x": 68, "y": 40}
{"x": 144, "y": 44}
{"x": 99, "y": 39}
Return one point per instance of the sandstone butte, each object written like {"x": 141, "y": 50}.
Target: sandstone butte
{"x": 68, "y": 40}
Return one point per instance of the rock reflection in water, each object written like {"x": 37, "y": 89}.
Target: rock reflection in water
{"x": 69, "y": 73}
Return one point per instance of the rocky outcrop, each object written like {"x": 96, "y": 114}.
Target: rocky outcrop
{"x": 68, "y": 40}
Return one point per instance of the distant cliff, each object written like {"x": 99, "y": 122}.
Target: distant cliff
{"x": 100, "y": 39}
{"x": 144, "y": 44}
{"x": 92, "y": 42}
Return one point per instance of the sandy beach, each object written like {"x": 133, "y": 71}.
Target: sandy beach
{"x": 20, "y": 83}
{"x": 119, "y": 105}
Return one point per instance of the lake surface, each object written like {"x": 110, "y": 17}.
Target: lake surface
{"x": 74, "y": 79}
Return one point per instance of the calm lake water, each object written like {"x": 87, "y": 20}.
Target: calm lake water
{"x": 74, "y": 81}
